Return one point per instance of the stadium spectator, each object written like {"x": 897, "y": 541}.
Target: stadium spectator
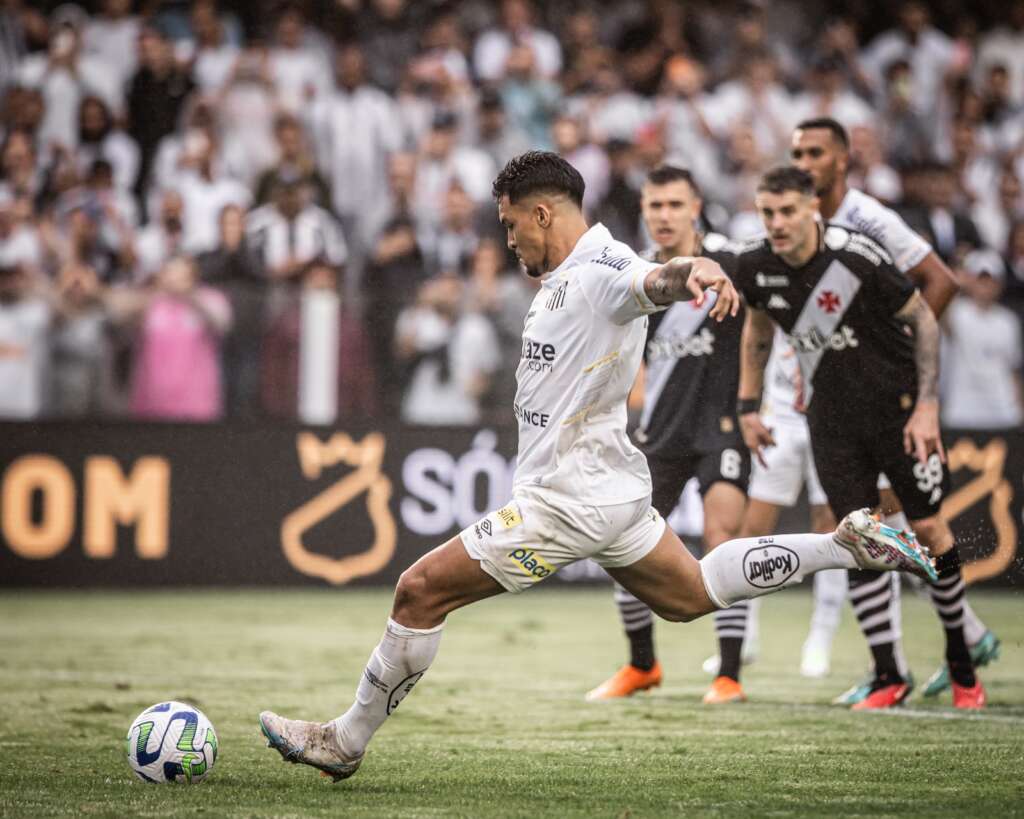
{"x": 389, "y": 31}
{"x": 995, "y": 216}
{"x": 1004, "y": 46}
{"x": 680, "y": 105}
{"x": 495, "y": 47}
{"x": 443, "y": 161}
{"x": 156, "y": 96}
{"x": 214, "y": 57}
{"x": 82, "y": 350}
{"x": 161, "y": 239}
{"x": 755, "y": 100}
{"x": 929, "y": 53}
{"x": 1015, "y": 269}
{"x": 530, "y": 99}
{"x": 234, "y": 268}
{"x": 828, "y": 95}
{"x": 180, "y": 324}
{"x": 64, "y": 75}
{"x": 905, "y": 132}
{"x": 619, "y": 210}
{"x": 450, "y": 247}
{"x": 982, "y": 357}
{"x": 111, "y": 37}
{"x": 100, "y": 138}
{"x": 592, "y": 162}
{"x": 294, "y": 157}
{"x": 316, "y": 360}
{"x": 869, "y": 171}
{"x": 20, "y": 244}
{"x": 205, "y": 190}
{"x": 25, "y": 317}
{"x": 450, "y": 355}
{"x": 290, "y": 232}
{"x": 946, "y": 226}
{"x": 298, "y": 71}
{"x": 354, "y": 132}
{"x": 495, "y": 136}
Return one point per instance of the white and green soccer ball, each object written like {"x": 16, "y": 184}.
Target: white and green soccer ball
{"x": 172, "y": 742}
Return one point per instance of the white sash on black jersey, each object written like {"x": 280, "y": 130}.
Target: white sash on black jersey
{"x": 814, "y": 320}
{"x": 680, "y": 322}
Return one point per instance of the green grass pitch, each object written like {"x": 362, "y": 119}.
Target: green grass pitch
{"x": 498, "y": 727}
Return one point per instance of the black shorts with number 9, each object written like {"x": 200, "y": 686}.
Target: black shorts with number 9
{"x": 849, "y": 461}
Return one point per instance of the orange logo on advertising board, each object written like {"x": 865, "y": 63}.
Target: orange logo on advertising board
{"x": 989, "y": 463}
{"x": 367, "y": 477}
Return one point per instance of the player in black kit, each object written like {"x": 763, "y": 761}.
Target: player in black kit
{"x": 688, "y": 427}
{"x": 868, "y": 349}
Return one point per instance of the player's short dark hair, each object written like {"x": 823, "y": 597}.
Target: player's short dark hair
{"x": 826, "y": 124}
{"x": 785, "y": 178}
{"x": 666, "y": 174}
{"x": 538, "y": 172}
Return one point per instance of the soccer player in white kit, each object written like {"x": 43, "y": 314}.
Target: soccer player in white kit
{"x": 581, "y": 489}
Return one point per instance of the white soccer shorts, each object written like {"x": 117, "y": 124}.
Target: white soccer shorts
{"x": 790, "y": 466}
{"x": 530, "y": 539}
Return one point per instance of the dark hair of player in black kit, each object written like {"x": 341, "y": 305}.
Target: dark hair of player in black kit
{"x": 783, "y": 178}
{"x": 538, "y": 172}
{"x": 666, "y": 174}
{"x": 826, "y": 124}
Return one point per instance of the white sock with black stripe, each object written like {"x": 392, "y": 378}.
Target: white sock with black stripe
{"x": 871, "y": 595}
{"x": 731, "y": 627}
{"x": 947, "y": 595}
{"x": 400, "y": 659}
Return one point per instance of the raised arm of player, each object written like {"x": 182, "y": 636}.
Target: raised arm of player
{"x": 921, "y": 435}
{"x": 684, "y": 278}
{"x": 936, "y": 281}
{"x": 755, "y": 347}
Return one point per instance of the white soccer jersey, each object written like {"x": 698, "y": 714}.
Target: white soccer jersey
{"x": 862, "y": 212}
{"x": 582, "y": 348}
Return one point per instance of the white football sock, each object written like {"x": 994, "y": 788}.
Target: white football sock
{"x": 395, "y": 666}
{"x": 830, "y": 588}
{"x": 974, "y": 628}
{"x": 897, "y": 520}
{"x": 754, "y": 566}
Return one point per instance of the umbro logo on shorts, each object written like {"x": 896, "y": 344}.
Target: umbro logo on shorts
{"x": 485, "y": 527}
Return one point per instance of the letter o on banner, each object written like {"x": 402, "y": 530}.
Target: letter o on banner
{"x": 52, "y": 533}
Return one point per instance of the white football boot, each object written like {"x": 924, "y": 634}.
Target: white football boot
{"x": 311, "y": 743}
{"x": 881, "y": 548}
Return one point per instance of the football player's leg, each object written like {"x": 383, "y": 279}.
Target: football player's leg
{"x": 438, "y": 583}
{"x": 724, "y": 477}
{"x": 678, "y": 587}
{"x": 668, "y": 477}
{"x": 830, "y": 587}
{"x": 921, "y": 489}
{"x": 849, "y": 478}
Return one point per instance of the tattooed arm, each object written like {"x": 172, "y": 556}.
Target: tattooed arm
{"x": 755, "y": 347}
{"x": 921, "y": 435}
{"x": 684, "y": 278}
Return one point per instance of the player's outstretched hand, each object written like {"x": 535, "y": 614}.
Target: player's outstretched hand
{"x": 921, "y": 435}
{"x": 707, "y": 274}
{"x": 756, "y": 435}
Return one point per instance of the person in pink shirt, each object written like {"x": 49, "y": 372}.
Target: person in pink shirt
{"x": 177, "y": 371}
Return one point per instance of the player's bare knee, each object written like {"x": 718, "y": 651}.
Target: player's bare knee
{"x": 934, "y": 533}
{"x": 413, "y": 598}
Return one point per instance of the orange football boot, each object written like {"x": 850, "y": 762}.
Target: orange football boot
{"x": 724, "y": 690}
{"x": 972, "y": 698}
{"x": 888, "y": 696}
{"x": 626, "y": 681}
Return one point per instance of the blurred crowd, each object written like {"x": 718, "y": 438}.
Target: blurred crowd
{"x": 282, "y": 210}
